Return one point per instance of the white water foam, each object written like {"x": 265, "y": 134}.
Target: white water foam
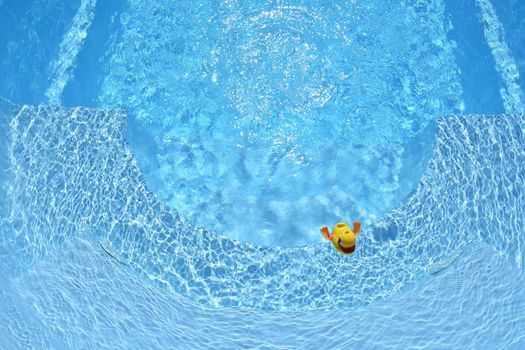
{"x": 511, "y": 93}
{"x": 62, "y": 68}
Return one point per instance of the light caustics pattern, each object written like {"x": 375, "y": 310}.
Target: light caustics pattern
{"x": 61, "y": 69}
{"x": 472, "y": 189}
{"x": 261, "y": 112}
{"x": 511, "y": 92}
{"x": 81, "y": 291}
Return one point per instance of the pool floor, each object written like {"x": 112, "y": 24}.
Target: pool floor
{"x": 210, "y": 184}
{"x": 80, "y": 298}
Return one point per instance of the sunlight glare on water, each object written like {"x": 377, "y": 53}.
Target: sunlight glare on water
{"x": 263, "y": 121}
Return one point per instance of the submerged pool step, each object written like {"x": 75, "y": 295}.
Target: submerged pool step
{"x": 22, "y": 328}
{"x": 62, "y": 67}
{"x": 511, "y": 92}
{"x": 85, "y": 299}
{"x": 58, "y": 179}
{"x": 71, "y": 173}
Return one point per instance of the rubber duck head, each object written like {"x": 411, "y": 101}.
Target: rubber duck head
{"x": 343, "y": 238}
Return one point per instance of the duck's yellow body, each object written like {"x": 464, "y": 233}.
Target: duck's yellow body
{"x": 343, "y": 238}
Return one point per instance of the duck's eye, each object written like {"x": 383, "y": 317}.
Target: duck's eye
{"x": 347, "y": 231}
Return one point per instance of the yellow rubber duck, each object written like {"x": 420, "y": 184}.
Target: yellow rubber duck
{"x": 342, "y": 237}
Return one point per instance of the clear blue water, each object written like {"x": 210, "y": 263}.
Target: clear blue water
{"x": 268, "y": 121}
{"x": 246, "y": 127}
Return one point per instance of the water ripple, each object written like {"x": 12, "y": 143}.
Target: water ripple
{"x": 472, "y": 190}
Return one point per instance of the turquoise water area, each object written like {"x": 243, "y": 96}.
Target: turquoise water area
{"x": 95, "y": 188}
{"x": 218, "y": 98}
{"x": 180, "y": 278}
{"x": 450, "y": 312}
{"x": 268, "y": 120}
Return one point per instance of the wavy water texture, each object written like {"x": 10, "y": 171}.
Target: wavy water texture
{"x": 54, "y": 177}
{"x": 31, "y": 32}
{"x": 475, "y": 304}
{"x": 264, "y": 111}
{"x": 62, "y": 68}
{"x": 472, "y": 189}
{"x": 511, "y": 92}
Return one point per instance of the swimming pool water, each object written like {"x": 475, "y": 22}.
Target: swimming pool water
{"x": 451, "y": 209}
{"x": 95, "y": 189}
{"x": 82, "y": 278}
{"x": 219, "y": 97}
{"x": 263, "y": 126}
